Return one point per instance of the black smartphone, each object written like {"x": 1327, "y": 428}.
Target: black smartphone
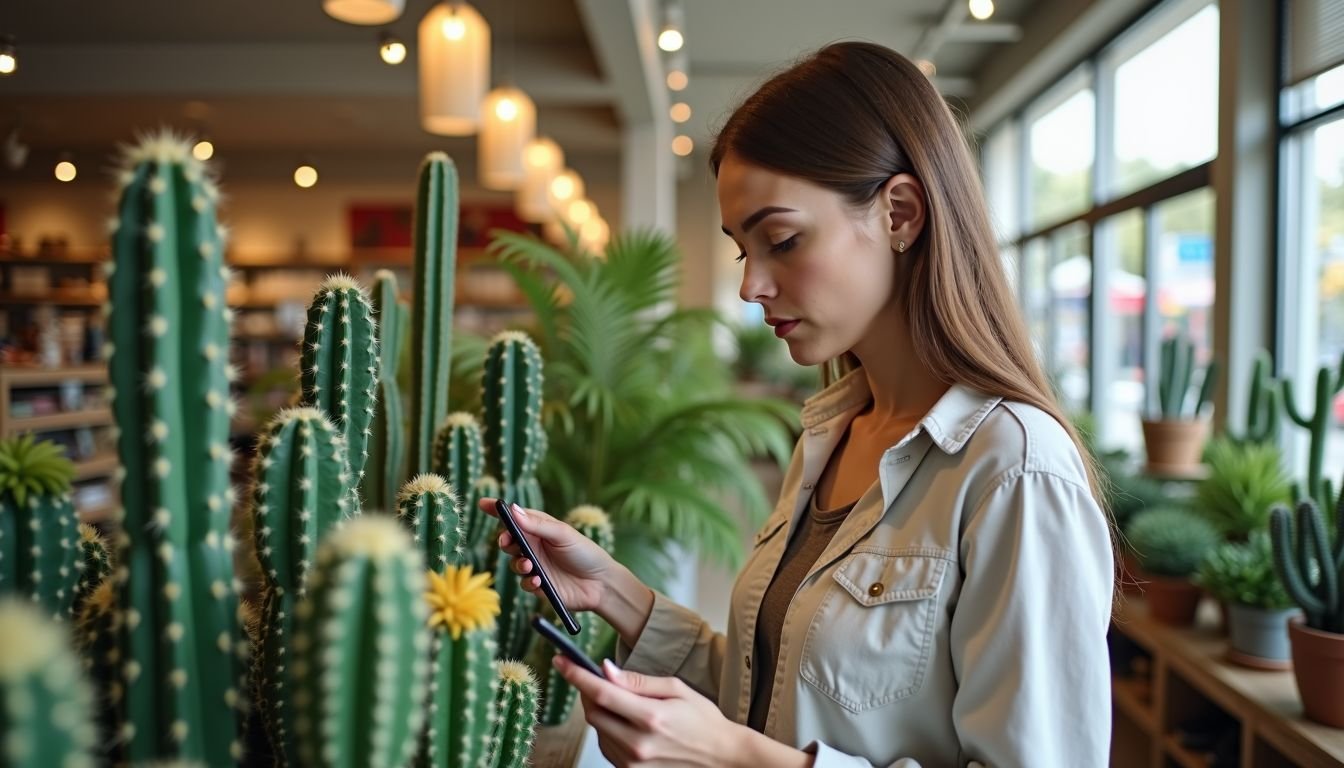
{"x": 506, "y": 516}
{"x": 566, "y": 646}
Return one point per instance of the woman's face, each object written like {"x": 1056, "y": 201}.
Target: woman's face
{"x": 822, "y": 271}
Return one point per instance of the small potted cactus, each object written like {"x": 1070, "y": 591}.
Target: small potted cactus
{"x": 1241, "y": 575}
{"x": 1309, "y": 563}
{"x": 1173, "y": 433}
{"x": 1170, "y": 543}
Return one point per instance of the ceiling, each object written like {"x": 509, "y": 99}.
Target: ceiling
{"x": 269, "y": 79}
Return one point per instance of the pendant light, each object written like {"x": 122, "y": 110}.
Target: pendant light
{"x": 508, "y": 123}
{"x": 542, "y": 162}
{"x": 363, "y": 11}
{"x": 454, "y": 69}
{"x": 566, "y": 187}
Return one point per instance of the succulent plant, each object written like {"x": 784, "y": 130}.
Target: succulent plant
{"x": 427, "y": 506}
{"x": 168, "y": 346}
{"x": 515, "y": 726}
{"x": 338, "y": 361}
{"x": 436, "y": 217}
{"x": 1328, "y": 384}
{"x": 38, "y": 525}
{"x": 1262, "y": 404}
{"x": 1243, "y": 573}
{"x": 1175, "y": 374}
{"x": 1310, "y": 567}
{"x": 46, "y": 703}
{"x": 361, "y": 649}
{"x": 30, "y": 467}
{"x": 1171, "y": 542}
{"x": 1245, "y": 480}
{"x": 387, "y": 441}
{"x": 459, "y": 456}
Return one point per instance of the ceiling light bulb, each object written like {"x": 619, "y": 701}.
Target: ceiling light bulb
{"x": 562, "y": 187}
{"x": 392, "y": 51}
{"x": 580, "y": 211}
{"x": 683, "y": 145}
{"x": 670, "y": 40}
{"x": 677, "y": 80}
{"x": 203, "y": 150}
{"x": 453, "y": 28}
{"x": 506, "y": 109}
{"x": 981, "y": 9}
{"x": 305, "y": 176}
{"x": 681, "y": 112}
{"x": 65, "y": 171}
{"x": 8, "y": 63}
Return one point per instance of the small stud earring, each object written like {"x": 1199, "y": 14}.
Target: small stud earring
{"x": 900, "y": 246}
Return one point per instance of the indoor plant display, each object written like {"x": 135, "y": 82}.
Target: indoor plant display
{"x": 1173, "y": 433}
{"x": 1241, "y": 574}
{"x": 1246, "y": 479}
{"x": 1170, "y": 543}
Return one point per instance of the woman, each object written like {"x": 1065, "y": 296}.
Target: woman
{"x": 934, "y": 586}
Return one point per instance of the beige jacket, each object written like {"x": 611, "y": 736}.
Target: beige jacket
{"x": 957, "y": 618}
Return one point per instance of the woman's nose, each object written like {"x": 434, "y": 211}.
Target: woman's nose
{"x": 757, "y": 284}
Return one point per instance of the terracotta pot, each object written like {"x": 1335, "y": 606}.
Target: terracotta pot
{"x": 1172, "y": 601}
{"x": 1258, "y": 637}
{"x": 1174, "y": 447}
{"x": 1318, "y": 665}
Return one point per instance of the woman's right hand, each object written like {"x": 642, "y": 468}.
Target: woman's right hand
{"x": 579, "y": 569}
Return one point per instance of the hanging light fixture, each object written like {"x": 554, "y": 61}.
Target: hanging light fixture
{"x": 565, "y": 187}
{"x": 9, "y": 58}
{"x": 594, "y": 234}
{"x": 390, "y": 48}
{"x": 508, "y": 123}
{"x": 677, "y": 66}
{"x": 981, "y": 9}
{"x": 542, "y": 162}
{"x": 670, "y": 38}
{"x": 305, "y": 176}
{"x": 454, "y": 69}
{"x": 65, "y": 168}
{"x": 363, "y": 11}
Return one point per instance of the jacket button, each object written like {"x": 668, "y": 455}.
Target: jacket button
{"x": 748, "y": 662}
{"x": 876, "y": 588}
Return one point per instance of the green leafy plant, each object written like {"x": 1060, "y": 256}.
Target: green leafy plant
{"x": 1170, "y": 541}
{"x": 639, "y": 412}
{"x": 1243, "y": 573}
{"x": 1245, "y": 481}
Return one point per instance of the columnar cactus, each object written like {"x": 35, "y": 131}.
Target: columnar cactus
{"x": 1175, "y": 376}
{"x": 46, "y": 712}
{"x": 39, "y": 534}
{"x": 511, "y": 392}
{"x": 459, "y": 456}
{"x": 361, "y": 649}
{"x": 1262, "y": 405}
{"x": 97, "y": 629}
{"x": 1328, "y": 384}
{"x": 302, "y": 492}
{"x": 168, "y": 344}
{"x": 387, "y": 442}
{"x": 515, "y": 727}
{"x": 338, "y": 361}
{"x": 462, "y": 682}
{"x": 427, "y": 506}
{"x": 92, "y": 566}
{"x": 435, "y": 264}
{"x": 1312, "y": 573}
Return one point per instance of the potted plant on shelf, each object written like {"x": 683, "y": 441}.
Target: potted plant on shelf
{"x": 1170, "y": 543}
{"x": 1310, "y": 565}
{"x": 1241, "y": 575}
{"x": 1173, "y": 434}
{"x": 1245, "y": 481}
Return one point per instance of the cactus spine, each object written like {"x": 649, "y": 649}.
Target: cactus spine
{"x": 39, "y": 534}
{"x": 1174, "y": 380}
{"x": 387, "y": 443}
{"x": 435, "y": 265}
{"x": 1313, "y": 573}
{"x": 427, "y": 506}
{"x": 302, "y": 490}
{"x": 168, "y": 333}
{"x": 361, "y": 649}
{"x": 46, "y": 712}
{"x": 338, "y": 359}
{"x": 1328, "y": 384}
{"x": 459, "y": 455}
{"x": 515, "y": 727}
{"x": 92, "y": 566}
{"x": 1262, "y": 406}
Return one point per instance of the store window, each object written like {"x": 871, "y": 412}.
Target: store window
{"x": 1001, "y": 156}
{"x": 1070, "y": 297}
{"x": 1124, "y": 387}
{"x": 1062, "y": 138}
{"x": 1184, "y": 270}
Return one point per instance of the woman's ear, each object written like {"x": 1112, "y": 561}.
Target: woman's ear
{"x": 904, "y": 207}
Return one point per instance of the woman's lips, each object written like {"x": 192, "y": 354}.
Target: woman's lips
{"x": 784, "y": 328}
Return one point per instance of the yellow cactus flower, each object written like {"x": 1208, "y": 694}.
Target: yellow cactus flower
{"x": 461, "y": 600}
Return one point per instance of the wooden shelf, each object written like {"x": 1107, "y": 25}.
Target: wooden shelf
{"x": 21, "y": 376}
{"x": 1130, "y": 699}
{"x": 98, "y": 466}
{"x": 98, "y": 514}
{"x": 95, "y": 417}
{"x": 58, "y": 299}
{"x": 1183, "y": 757}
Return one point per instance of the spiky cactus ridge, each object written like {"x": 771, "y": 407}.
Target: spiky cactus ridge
{"x": 1329, "y": 383}
{"x": 428, "y": 507}
{"x": 93, "y": 564}
{"x": 361, "y": 649}
{"x": 515, "y": 727}
{"x": 181, "y": 642}
{"x": 39, "y": 552}
{"x": 436, "y": 219}
{"x": 338, "y": 361}
{"x": 46, "y": 713}
{"x": 1311, "y": 570}
{"x": 387, "y": 441}
{"x": 459, "y": 456}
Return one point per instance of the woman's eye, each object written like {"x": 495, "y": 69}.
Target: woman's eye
{"x": 784, "y": 245}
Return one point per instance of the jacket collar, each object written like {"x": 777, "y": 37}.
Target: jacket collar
{"x": 950, "y": 423}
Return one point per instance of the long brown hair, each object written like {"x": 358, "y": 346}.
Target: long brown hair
{"x": 848, "y": 118}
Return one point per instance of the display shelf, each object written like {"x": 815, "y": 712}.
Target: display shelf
{"x": 101, "y": 465}
{"x": 55, "y": 299}
{"x": 1182, "y": 756}
{"x": 1133, "y": 697}
{"x": 93, "y": 417}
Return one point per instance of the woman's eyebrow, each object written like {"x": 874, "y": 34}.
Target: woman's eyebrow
{"x": 756, "y": 217}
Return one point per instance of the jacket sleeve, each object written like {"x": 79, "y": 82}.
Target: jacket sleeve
{"x": 676, "y": 641}
{"x": 1028, "y": 633}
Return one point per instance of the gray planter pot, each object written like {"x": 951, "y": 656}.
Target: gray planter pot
{"x": 1259, "y": 637}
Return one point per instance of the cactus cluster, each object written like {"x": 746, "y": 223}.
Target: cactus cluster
{"x": 1175, "y": 379}
{"x": 387, "y": 438}
{"x": 39, "y": 530}
{"x": 428, "y": 507}
{"x": 1309, "y": 565}
{"x": 1329, "y": 383}
{"x": 93, "y": 565}
{"x": 459, "y": 456}
{"x": 46, "y": 712}
{"x": 515, "y": 725}
{"x": 180, "y": 638}
{"x": 436, "y": 215}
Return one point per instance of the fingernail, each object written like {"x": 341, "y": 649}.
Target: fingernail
{"x": 611, "y": 669}
{"x": 559, "y": 662}
{"x": 517, "y": 510}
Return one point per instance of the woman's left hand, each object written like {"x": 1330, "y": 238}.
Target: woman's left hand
{"x": 643, "y": 720}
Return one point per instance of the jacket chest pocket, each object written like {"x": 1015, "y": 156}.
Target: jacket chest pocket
{"x": 870, "y": 639}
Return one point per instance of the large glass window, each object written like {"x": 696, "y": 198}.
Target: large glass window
{"x": 1124, "y": 389}
{"x": 1070, "y": 297}
{"x": 1001, "y": 157}
{"x": 1184, "y": 270}
{"x": 1062, "y": 135}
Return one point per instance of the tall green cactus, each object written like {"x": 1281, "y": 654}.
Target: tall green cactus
{"x": 168, "y": 344}
{"x": 1309, "y": 570}
{"x": 97, "y": 629}
{"x": 387, "y": 443}
{"x": 459, "y": 455}
{"x": 1262, "y": 405}
{"x": 428, "y": 507}
{"x": 302, "y": 491}
{"x": 1175, "y": 378}
{"x": 484, "y": 553}
{"x": 1317, "y": 422}
{"x": 338, "y": 361}
{"x": 46, "y": 706}
{"x": 38, "y": 526}
{"x": 462, "y": 683}
{"x": 361, "y": 649}
{"x": 93, "y": 565}
{"x": 435, "y": 265}
{"x": 515, "y": 727}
